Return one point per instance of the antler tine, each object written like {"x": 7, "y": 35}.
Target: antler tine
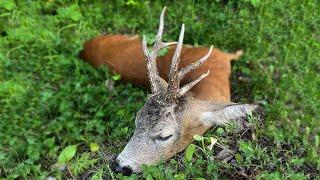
{"x": 194, "y": 65}
{"x": 190, "y": 85}
{"x": 158, "y": 43}
{"x": 173, "y": 74}
{"x": 164, "y": 45}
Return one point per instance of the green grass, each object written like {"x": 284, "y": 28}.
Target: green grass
{"x": 49, "y": 99}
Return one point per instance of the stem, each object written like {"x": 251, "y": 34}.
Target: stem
{"x": 203, "y": 147}
{"x": 111, "y": 174}
{"x": 70, "y": 172}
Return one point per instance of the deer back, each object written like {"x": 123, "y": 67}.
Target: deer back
{"x": 123, "y": 55}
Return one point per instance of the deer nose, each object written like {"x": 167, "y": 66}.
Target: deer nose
{"x": 126, "y": 170}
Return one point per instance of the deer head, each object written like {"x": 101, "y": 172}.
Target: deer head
{"x": 170, "y": 117}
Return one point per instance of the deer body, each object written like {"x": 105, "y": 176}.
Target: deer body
{"x": 190, "y": 93}
{"x": 123, "y": 55}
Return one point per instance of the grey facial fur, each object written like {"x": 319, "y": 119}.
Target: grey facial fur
{"x": 157, "y": 129}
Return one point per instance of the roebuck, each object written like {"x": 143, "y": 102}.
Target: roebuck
{"x": 171, "y": 115}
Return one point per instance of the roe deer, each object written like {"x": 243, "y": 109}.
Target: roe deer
{"x": 171, "y": 115}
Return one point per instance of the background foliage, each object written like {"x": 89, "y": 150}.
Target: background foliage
{"x": 57, "y": 118}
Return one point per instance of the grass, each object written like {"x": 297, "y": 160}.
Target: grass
{"x": 50, "y": 100}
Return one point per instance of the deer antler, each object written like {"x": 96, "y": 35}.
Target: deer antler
{"x": 157, "y": 83}
{"x": 173, "y": 92}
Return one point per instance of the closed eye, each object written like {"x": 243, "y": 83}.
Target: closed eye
{"x": 160, "y": 138}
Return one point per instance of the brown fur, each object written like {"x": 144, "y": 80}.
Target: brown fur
{"x": 123, "y": 55}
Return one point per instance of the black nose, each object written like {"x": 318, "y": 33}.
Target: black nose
{"x": 126, "y": 170}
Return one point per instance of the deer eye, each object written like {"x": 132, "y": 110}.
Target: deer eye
{"x": 160, "y": 138}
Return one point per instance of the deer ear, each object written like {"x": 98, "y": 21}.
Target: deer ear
{"x": 227, "y": 114}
